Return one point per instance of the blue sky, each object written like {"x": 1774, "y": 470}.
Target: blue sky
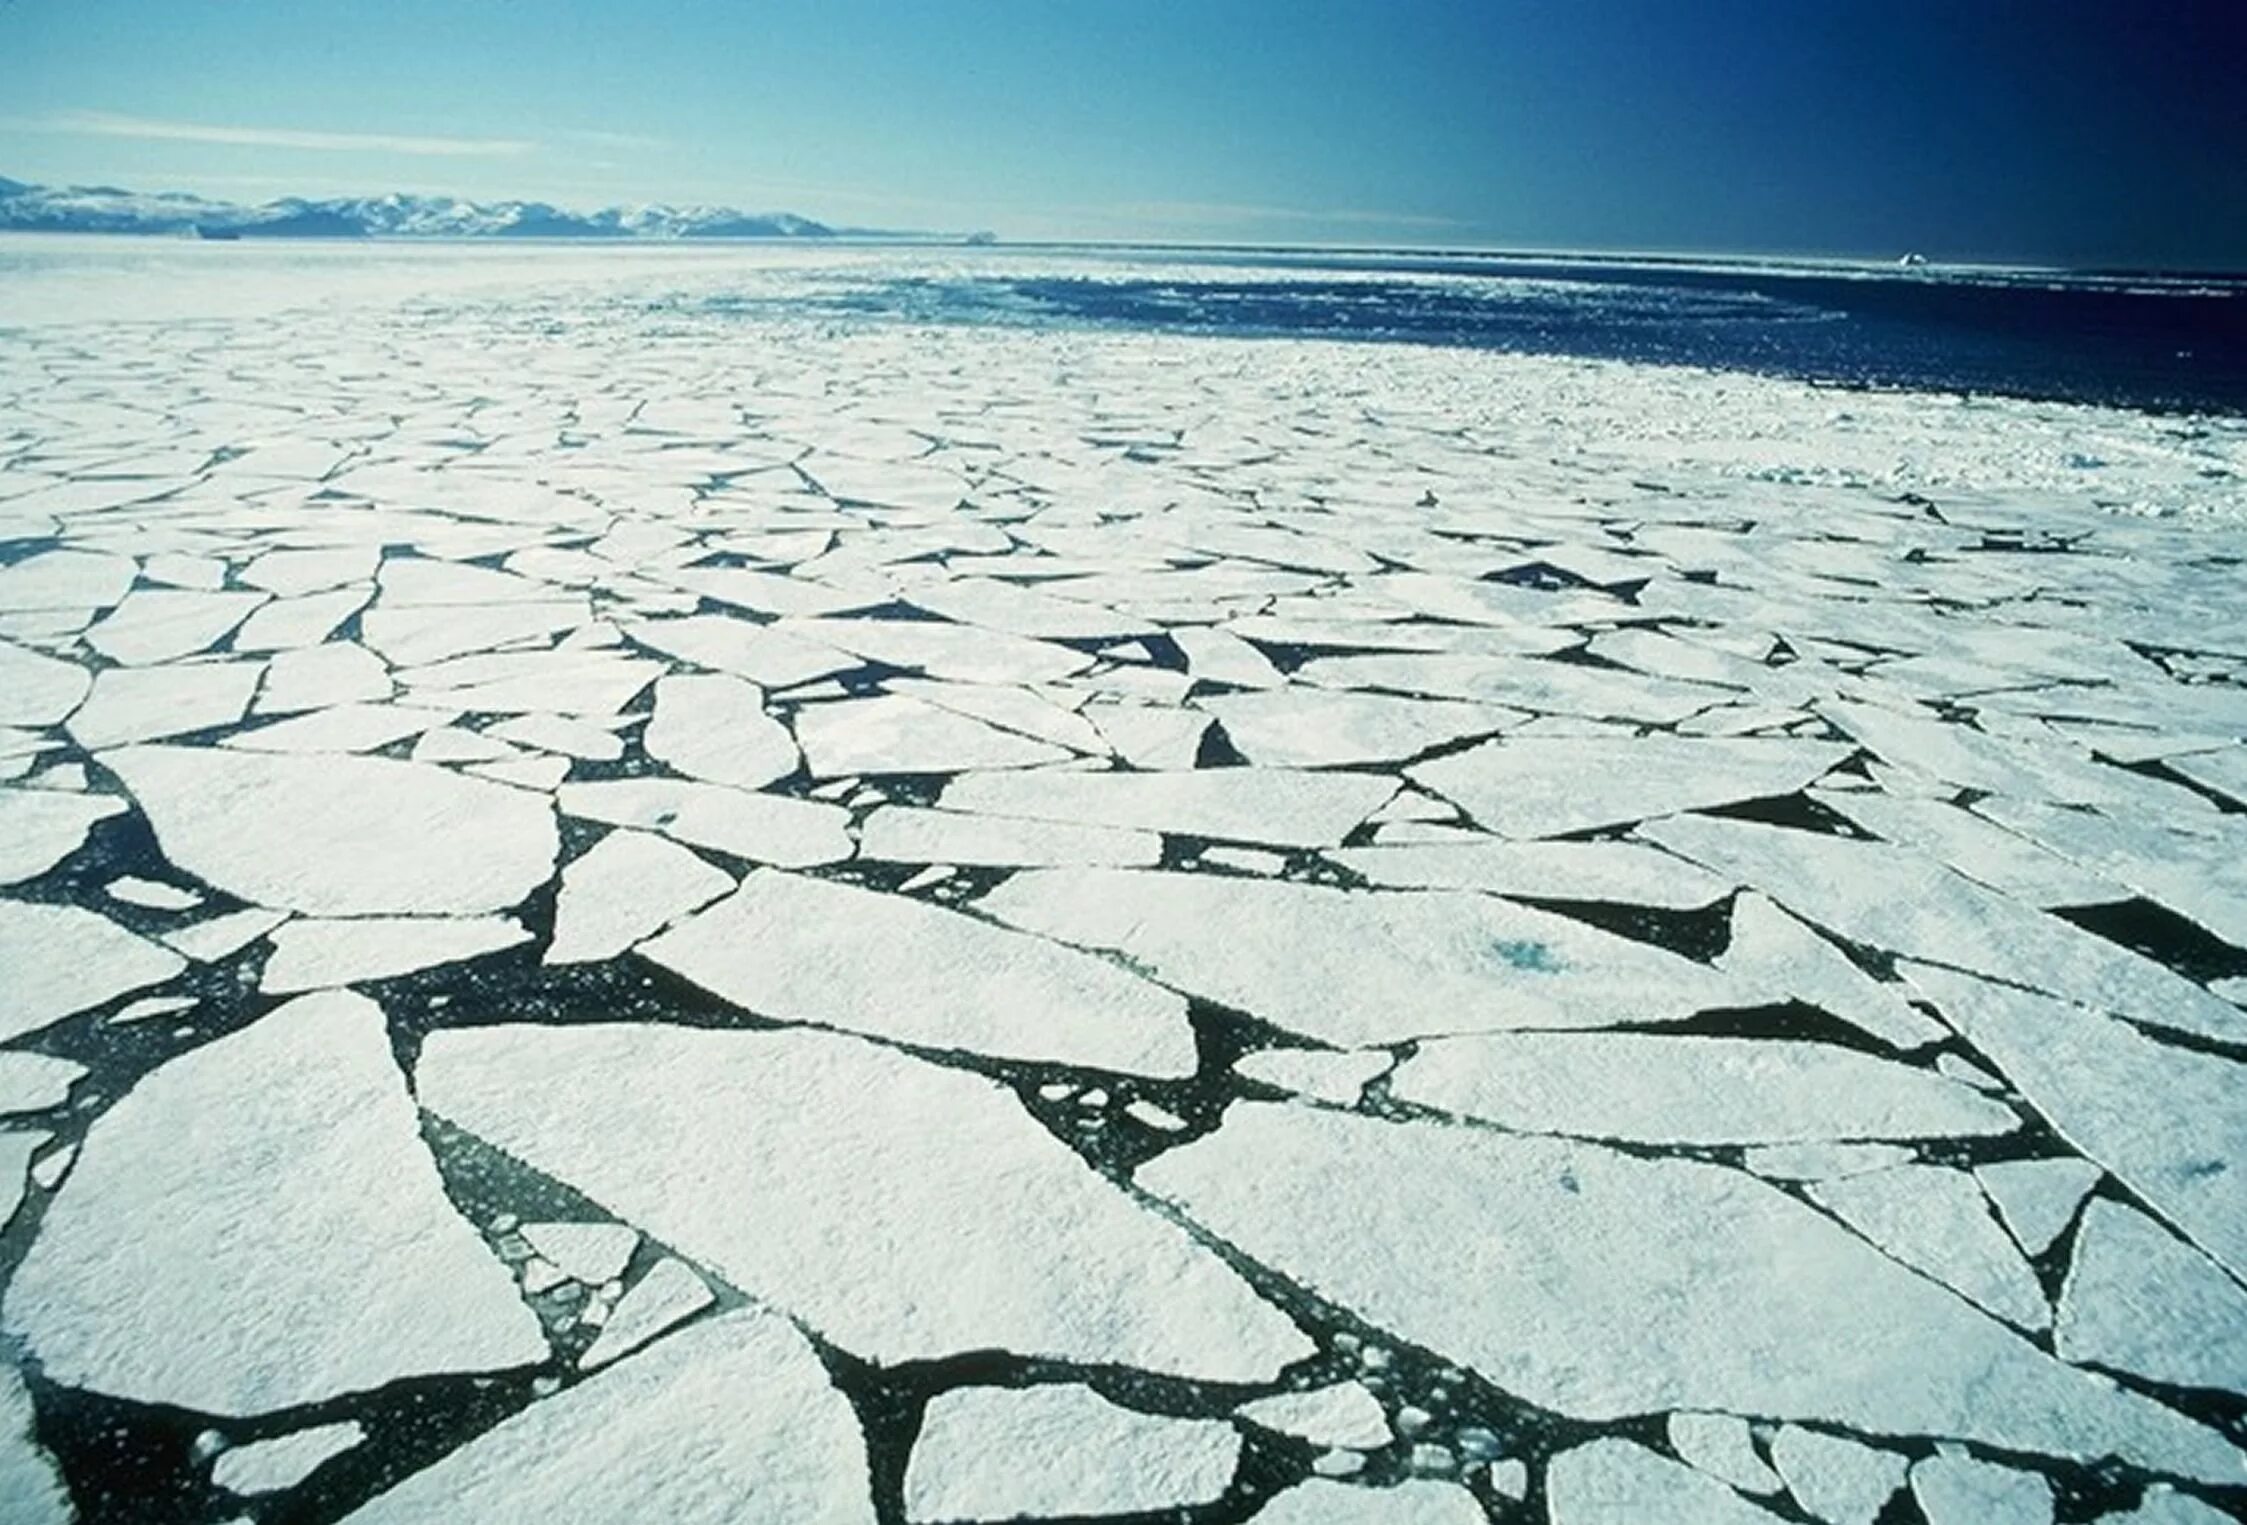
{"x": 2057, "y": 130}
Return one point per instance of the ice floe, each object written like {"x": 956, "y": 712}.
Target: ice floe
{"x": 267, "y": 1466}
{"x": 1619, "y": 1482}
{"x": 709, "y": 1139}
{"x": 734, "y": 1415}
{"x": 795, "y": 948}
{"x": 627, "y": 887}
{"x": 1832, "y": 1329}
{"x": 1657, "y": 1089}
{"x": 57, "y": 960}
{"x": 996, "y": 1453}
{"x": 2139, "y": 1300}
{"x": 213, "y": 1248}
{"x": 1355, "y": 968}
{"x": 340, "y": 836}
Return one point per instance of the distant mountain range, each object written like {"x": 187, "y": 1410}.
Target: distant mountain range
{"x": 107, "y": 209}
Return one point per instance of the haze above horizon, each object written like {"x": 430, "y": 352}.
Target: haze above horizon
{"x": 2058, "y": 132}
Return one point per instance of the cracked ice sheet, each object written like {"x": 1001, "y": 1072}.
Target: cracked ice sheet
{"x": 340, "y": 836}
{"x": 2092, "y": 1077}
{"x": 732, "y": 1419}
{"x": 212, "y": 1248}
{"x": 1277, "y": 807}
{"x": 794, "y": 948}
{"x": 991, "y": 1453}
{"x": 1360, "y": 967}
{"x": 1611, "y": 1285}
{"x": 901, "y": 1210}
{"x": 1901, "y": 901}
{"x": 1549, "y": 788}
{"x": 1659, "y": 1089}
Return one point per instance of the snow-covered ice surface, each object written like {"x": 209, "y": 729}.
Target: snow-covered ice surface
{"x": 630, "y": 896}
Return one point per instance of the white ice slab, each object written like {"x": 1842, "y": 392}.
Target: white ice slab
{"x": 312, "y": 954}
{"x": 1275, "y": 806}
{"x": 1356, "y": 967}
{"x": 1654, "y": 1088}
{"x": 997, "y": 1453}
{"x": 1619, "y": 1482}
{"x": 903, "y": 1211}
{"x": 341, "y": 836}
{"x": 1550, "y": 787}
{"x": 1936, "y": 1220}
{"x": 627, "y": 887}
{"x": 813, "y": 950}
{"x": 732, "y": 1419}
{"x": 713, "y": 727}
{"x": 257, "y": 1224}
{"x": 41, "y": 827}
{"x": 2140, "y": 1300}
{"x": 58, "y": 960}
{"x": 1733, "y": 1297}
{"x": 764, "y": 828}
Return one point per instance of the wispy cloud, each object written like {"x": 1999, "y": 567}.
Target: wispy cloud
{"x": 597, "y": 139}
{"x": 106, "y": 124}
{"x": 1227, "y": 211}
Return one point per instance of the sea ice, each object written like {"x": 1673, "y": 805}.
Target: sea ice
{"x": 1355, "y": 967}
{"x": 907, "y": 834}
{"x": 812, "y": 950}
{"x": 821, "y": 1172}
{"x": 2037, "y": 1199}
{"x": 309, "y": 954}
{"x": 1344, "y": 1414}
{"x": 1936, "y": 1220}
{"x": 36, "y": 689}
{"x": 1548, "y": 788}
{"x": 1722, "y": 1446}
{"x": 715, "y": 728}
{"x": 2091, "y": 1077}
{"x": 1622, "y": 872}
{"x": 31, "y": 1489}
{"x": 256, "y": 1224}
{"x": 1416, "y": 1501}
{"x": 149, "y": 703}
{"x": 891, "y": 733}
{"x": 592, "y": 1253}
{"x": 667, "y": 1295}
{"x": 58, "y": 960}
{"x": 1619, "y": 1482}
{"x": 1838, "y": 1480}
{"x": 2139, "y": 1300}
{"x": 1278, "y": 807}
{"x": 734, "y": 1419}
{"x": 267, "y": 1466}
{"x": 996, "y": 1453}
{"x": 1655, "y": 1088}
{"x": 627, "y": 887}
{"x": 764, "y": 828}
{"x": 1957, "y": 1490}
{"x": 41, "y": 827}
{"x": 340, "y": 836}
{"x": 1733, "y": 1297}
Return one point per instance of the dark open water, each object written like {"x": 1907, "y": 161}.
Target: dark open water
{"x": 2164, "y": 343}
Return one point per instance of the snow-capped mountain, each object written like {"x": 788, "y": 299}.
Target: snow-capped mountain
{"x": 108, "y": 209}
